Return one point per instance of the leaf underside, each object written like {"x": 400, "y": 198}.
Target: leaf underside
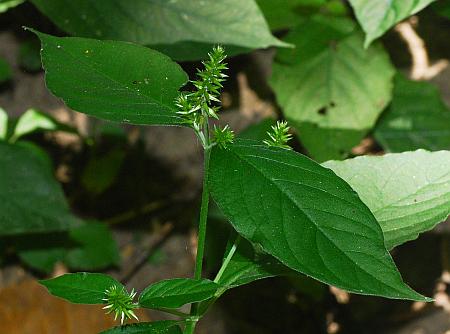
{"x": 408, "y": 193}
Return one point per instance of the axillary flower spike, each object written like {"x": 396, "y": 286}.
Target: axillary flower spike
{"x": 120, "y": 302}
{"x": 279, "y": 136}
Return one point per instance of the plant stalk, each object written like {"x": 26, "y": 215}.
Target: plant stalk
{"x": 190, "y": 324}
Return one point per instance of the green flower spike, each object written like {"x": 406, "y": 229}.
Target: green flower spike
{"x": 279, "y": 136}
{"x": 204, "y": 102}
{"x": 120, "y": 302}
{"x": 224, "y": 136}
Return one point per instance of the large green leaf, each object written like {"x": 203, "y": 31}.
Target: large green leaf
{"x": 117, "y": 81}
{"x": 176, "y": 292}
{"x": 417, "y": 118}
{"x": 234, "y": 22}
{"x": 32, "y": 201}
{"x": 81, "y": 288}
{"x": 305, "y": 216}
{"x": 376, "y": 17}
{"x": 5, "y": 70}
{"x": 156, "y": 327}
{"x": 408, "y": 193}
{"x": 329, "y": 86}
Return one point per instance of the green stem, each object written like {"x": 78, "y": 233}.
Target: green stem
{"x": 191, "y": 323}
{"x": 203, "y": 218}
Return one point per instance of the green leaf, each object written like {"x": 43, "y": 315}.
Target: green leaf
{"x": 87, "y": 247}
{"x": 32, "y": 201}
{"x": 443, "y": 8}
{"x": 156, "y": 327}
{"x": 192, "y": 51}
{"x": 3, "y": 124}
{"x": 5, "y": 71}
{"x": 234, "y": 22}
{"x": 408, "y": 193}
{"x": 376, "y": 17}
{"x": 417, "y": 118}
{"x": 81, "y": 288}
{"x": 7, "y": 4}
{"x": 330, "y": 86}
{"x": 96, "y": 248}
{"x": 42, "y": 259}
{"x": 305, "y": 216}
{"x": 34, "y": 120}
{"x": 101, "y": 171}
{"x": 283, "y": 14}
{"x": 29, "y": 55}
{"x": 174, "y": 293}
{"x": 116, "y": 81}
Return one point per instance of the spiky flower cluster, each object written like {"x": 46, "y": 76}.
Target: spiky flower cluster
{"x": 197, "y": 106}
{"x": 223, "y": 136}
{"x": 120, "y": 302}
{"x": 279, "y": 136}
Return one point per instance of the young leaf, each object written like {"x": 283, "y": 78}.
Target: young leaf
{"x": 408, "y": 193}
{"x": 174, "y": 293}
{"x": 33, "y": 120}
{"x": 234, "y": 22}
{"x": 329, "y": 82}
{"x": 376, "y": 17}
{"x": 417, "y": 118}
{"x": 116, "y": 81}
{"x": 305, "y": 216}
{"x": 32, "y": 201}
{"x": 5, "y": 71}
{"x": 156, "y": 327}
{"x": 81, "y": 288}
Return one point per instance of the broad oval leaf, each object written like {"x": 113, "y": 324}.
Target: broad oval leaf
{"x": 417, "y": 118}
{"x": 174, "y": 293}
{"x": 376, "y": 17}
{"x": 32, "y": 201}
{"x": 305, "y": 216}
{"x": 81, "y": 288}
{"x": 149, "y": 22}
{"x": 156, "y": 327}
{"x": 117, "y": 81}
{"x": 329, "y": 86}
{"x": 408, "y": 193}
